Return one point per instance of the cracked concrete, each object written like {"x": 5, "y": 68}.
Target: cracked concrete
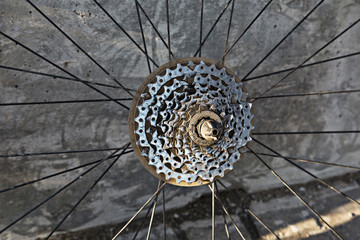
{"x": 98, "y": 125}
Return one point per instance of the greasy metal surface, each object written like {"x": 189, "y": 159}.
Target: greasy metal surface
{"x": 166, "y": 110}
{"x": 205, "y": 127}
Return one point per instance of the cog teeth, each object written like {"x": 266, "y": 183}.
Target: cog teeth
{"x": 168, "y": 106}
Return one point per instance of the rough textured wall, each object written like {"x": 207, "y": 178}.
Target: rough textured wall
{"x": 103, "y": 125}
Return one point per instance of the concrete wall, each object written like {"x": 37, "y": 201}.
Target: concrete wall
{"x": 78, "y": 126}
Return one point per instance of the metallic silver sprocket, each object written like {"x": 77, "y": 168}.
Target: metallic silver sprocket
{"x": 169, "y": 115}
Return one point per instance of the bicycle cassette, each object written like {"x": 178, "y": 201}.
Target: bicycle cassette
{"x": 190, "y": 121}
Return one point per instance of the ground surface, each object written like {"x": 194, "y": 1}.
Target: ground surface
{"x": 277, "y": 208}
{"x": 103, "y": 125}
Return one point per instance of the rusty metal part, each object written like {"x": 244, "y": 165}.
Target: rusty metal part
{"x": 190, "y": 121}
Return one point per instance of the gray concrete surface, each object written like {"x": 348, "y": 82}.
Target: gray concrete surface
{"x": 277, "y": 208}
{"x": 65, "y": 127}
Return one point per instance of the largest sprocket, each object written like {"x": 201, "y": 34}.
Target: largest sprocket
{"x": 190, "y": 121}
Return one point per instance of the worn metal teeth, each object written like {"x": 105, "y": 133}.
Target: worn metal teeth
{"x": 164, "y": 122}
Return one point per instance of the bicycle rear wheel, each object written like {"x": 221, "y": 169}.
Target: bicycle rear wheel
{"x": 54, "y": 122}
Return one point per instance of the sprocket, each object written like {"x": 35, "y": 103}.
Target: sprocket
{"x": 190, "y": 121}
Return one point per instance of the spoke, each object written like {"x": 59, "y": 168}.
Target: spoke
{"x": 201, "y": 24}
{"x": 143, "y": 220}
{"x": 168, "y": 27}
{"x": 59, "y": 173}
{"x": 80, "y": 48}
{"x": 137, "y": 213}
{"x": 242, "y": 34}
{"x": 307, "y": 59}
{"x": 54, "y": 194}
{"x": 57, "y": 76}
{"x": 153, "y": 213}
{"x": 226, "y": 212}
{"x": 223, "y": 214}
{"x": 311, "y": 161}
{"x": 257, "y": 219}
{"x": 213, "y": 211}
{"x": 142, "y": 35}
{"x": 236, "y": 196}
{"x": 309, "y": 94}
{"x": 283, "y": 39}
{"x": 212, "y": 28}
{"x": 163, "y": 210}
{"x": 228, "y": 31}
{"x": 313, "y": 132}
{"x": 156, "y": 30}
{"x": 125, "y": 32}
{"x": 297, "y": 195}
{"x": 309, "y": 173}
{"x": 64, "y": 102}
{"x": 62, "y": 69}
{"x": 226, "y": 226}
{"x": 303, "y": 66}
{"x": 128, "y": 151}
{"x": 87, "y": 192}
{"x": 60, "y": 152}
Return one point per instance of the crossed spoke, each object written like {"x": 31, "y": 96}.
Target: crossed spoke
{"x": 226, "y": 212}
{"x": 310, "y": 161}
{"x": 124, "y": 31}
{"x": 302, "y": 66}
{"x": 62, "y": 69}
{"x": 58, "y": 76}
{"x": 57, "y": 152}
{"x": 79, "y": 47}
{"x": 153, "y": 212}
{"x": 140, "y": 210}
{"x": 155, "y": 28}
{"x": 283, "y": 39}
{"x": 227, "y": 51}
{"x": 142, "y": 35}
{"x": 309, "y": 173}
{"x": 60, "y": 190}
{"x": 297, "y": 195}
{"x": 115, "y": 155}
{"x": 61, "y": 172}
{"x": 307, "y": 59}
{"x": 309, "y": 94}
{"x": 212, "y": 27}
{"x": 236, "y": 196}
{"x": 87, "y": 192}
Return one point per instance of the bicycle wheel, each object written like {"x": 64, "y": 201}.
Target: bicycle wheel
{"x": 69, "y": 71}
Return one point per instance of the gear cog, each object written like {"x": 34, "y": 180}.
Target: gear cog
{"x": 190, "y": 121}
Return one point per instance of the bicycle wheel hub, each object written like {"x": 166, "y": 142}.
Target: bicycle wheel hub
{"x": 205, "y": 127}
{"x": 190, "y": 121}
